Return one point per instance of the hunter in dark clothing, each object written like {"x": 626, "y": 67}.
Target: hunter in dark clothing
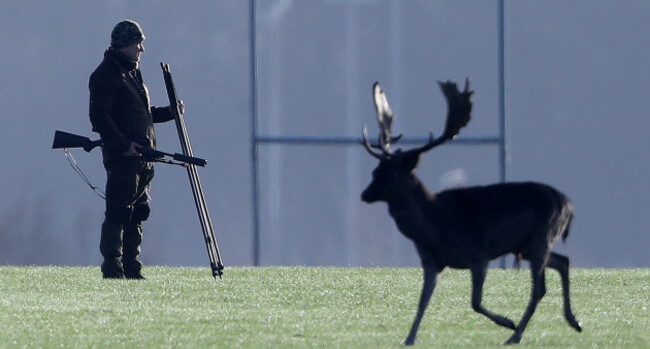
{"x": 121, "y": 113}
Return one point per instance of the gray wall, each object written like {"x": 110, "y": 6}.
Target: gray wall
{"x": 576, "y": 102}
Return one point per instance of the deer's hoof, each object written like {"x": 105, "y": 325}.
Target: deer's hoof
{"x": 577, "y": 326}
{"x": 514, "y": 339}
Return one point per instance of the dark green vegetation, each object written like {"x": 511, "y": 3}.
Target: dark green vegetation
{"x": 275, "y": 307}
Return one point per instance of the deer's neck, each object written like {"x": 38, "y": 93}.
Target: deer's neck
{"x": 411, "y": 210}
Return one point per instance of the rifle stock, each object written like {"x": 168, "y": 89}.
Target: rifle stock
{"x": 69, "y": 140}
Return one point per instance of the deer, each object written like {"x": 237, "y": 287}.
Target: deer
{"x": 466, "y": 228}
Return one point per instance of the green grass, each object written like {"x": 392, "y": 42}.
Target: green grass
{"x": 275, "y": 307}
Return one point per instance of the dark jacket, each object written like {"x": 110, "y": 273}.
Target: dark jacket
{"x": 120, "y": 109}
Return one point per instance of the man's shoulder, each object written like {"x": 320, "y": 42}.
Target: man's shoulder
{"x": 107, "y": 69}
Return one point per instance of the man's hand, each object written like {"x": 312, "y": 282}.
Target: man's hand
{"x": 134, "y": 149}
{"x": 181, "y": 106}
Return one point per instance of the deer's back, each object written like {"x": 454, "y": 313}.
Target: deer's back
{"x": 503, "y": 197}
{"x": 490, "y": 221}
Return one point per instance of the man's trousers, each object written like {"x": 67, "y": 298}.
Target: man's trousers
{"x": 127, "y": 206}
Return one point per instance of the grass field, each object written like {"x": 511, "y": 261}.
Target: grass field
{"x": 276, "y": 307}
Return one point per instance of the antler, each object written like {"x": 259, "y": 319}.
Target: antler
{"x": 459, "y": 108}
{"x": 368, "y": 147}
{"x": 385, "y": 119}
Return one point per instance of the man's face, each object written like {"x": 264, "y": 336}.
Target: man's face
{"x": 133, "y": 51}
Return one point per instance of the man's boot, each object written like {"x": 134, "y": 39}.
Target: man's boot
{"x": 112, "y": 269}
{"x": 130, "y": 261}
{"x": 110, "y": 245}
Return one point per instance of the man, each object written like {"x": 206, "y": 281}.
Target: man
{"x": 121, "y": 113}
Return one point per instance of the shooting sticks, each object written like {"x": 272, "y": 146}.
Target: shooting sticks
{"x": 199, "y": 199}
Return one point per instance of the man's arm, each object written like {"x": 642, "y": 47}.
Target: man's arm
{"x": 165, "y": 114}
{"x": 102, "y": 97}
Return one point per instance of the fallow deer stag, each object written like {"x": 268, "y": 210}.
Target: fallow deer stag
{"x": 466, "y": 228}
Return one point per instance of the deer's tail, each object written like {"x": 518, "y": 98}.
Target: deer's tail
{"x": 565, "y": 234}
{"x": 568, "y": 212}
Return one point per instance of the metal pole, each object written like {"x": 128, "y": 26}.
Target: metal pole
{"x": 254, "y": 133}
{"x": 350, "y": 239}
{"x": 503, "y": 155}
{"x": 257, "y": 139}
{"x": 344, "y": 140}
{"x": 502, "y": 103}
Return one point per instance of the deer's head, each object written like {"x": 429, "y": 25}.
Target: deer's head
{"x": 395, "y": 170}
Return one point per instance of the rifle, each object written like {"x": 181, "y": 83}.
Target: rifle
{"x": 199, "y": 199}
{"x": 65, "y": 140}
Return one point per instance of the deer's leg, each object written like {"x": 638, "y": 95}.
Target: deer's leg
{"x": 561, "y": 264}
{"x": 430, "y": 277}
{"x": 538, "y": 290}
{"x": 478, "y": 277}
